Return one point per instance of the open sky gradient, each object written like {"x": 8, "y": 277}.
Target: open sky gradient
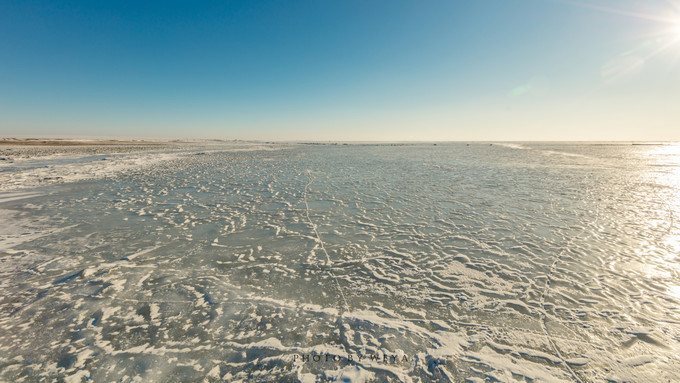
{"x": 342, "y": 70}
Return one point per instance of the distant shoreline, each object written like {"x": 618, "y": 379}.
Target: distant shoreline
{"x": 133, "y": 142}
{"x": 66, "y": 142}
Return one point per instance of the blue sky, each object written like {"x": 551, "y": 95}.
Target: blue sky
{"x": 342, "y": 70}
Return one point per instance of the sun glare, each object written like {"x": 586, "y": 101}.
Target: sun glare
{"x": 667, "y": 21}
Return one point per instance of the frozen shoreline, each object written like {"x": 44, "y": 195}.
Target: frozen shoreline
{"x": 23, "y": 165}
{"x": 27, "y": 170}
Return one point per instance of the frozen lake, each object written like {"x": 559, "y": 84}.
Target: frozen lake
{"x": 447, "y": 262}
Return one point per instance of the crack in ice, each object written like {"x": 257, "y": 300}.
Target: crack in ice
{"x": 323, "y": 247}
{"x": 553, "y": 269}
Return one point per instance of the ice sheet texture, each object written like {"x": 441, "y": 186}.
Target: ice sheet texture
{"x": 531, "y": 262}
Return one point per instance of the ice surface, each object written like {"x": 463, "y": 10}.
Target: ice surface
{"x": 345, "y": 263}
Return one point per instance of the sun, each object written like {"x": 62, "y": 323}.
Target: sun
{"x": 667, "y": 22}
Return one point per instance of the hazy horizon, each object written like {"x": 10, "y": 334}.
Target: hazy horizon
{"x": 533, "y": 70}
{"x": 304, "y": 140}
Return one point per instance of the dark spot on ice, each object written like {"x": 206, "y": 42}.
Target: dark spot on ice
{"x": 140, "y": 367}
{"x": 100, "y": 289}
{"x": 96, "y": 317}
{"x": 42, "y": 294}
{"x": 77, "y": 336}
{"x": 200, "y": 154}
{"x": 518, "y": 307}
{"x": 145, "y": 311}
{"x": 50, "y": 179}
{"x": 66, "y": 361}
{"x": 643, "y": 337}
{"x": 207, "y": 299}
{"x": 68, "y": 278}
{"x": 434, "y": 365}
{"x": 462, "y": 258}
